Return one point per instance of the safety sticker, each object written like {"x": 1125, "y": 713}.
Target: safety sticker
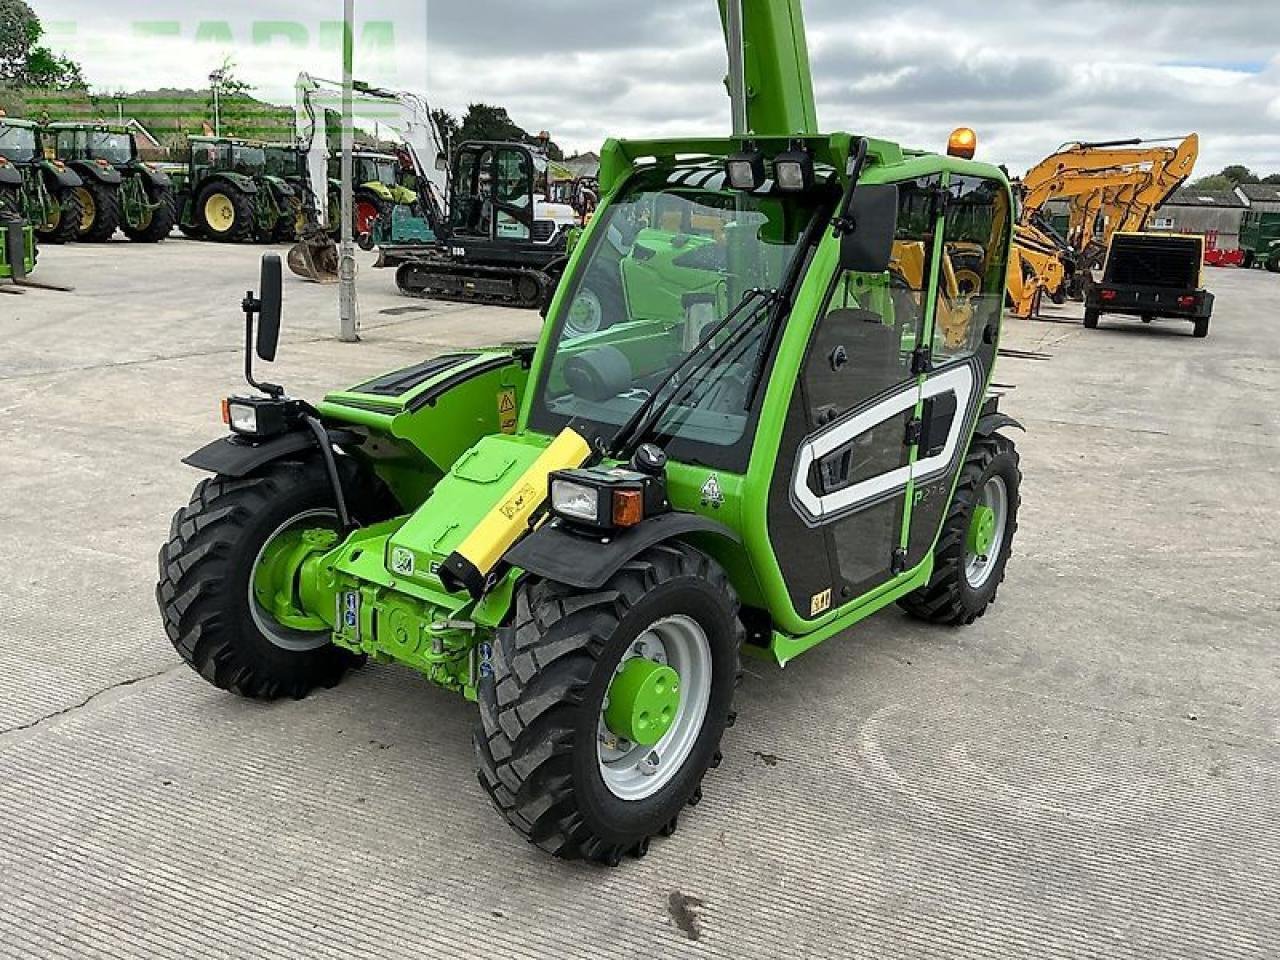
{"x": 820, "y": 603}
{"x": 712, "y": 495}
{"x": 403, "y": 562}
{"x": 507, "y": 410}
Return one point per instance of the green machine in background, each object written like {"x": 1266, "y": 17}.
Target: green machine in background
{"x": 17, "y": 247}
{"x": 774, "y": 423}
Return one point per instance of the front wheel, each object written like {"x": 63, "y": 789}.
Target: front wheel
{"x": 225, "y": 214}
{"x": 224, "y": 592}
{"x": 977, "y": 537}
{"x": 600, "y": 713}
{"x": 154, "y": 222}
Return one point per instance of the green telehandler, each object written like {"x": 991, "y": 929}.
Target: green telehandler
{"x": 782, "y": 427}
{"x": 119, "y": 189}
{"x": 48, "y": 191}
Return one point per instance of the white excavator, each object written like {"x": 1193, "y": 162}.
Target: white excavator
{"x": 487, "y": 233}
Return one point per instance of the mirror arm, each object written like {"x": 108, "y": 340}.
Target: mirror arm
{"x": 843, "y": 222}
{"x": 251, "y": 306}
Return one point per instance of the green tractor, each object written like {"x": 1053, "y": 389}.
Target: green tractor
{"x": 1260, "y": 240}
{"x": 48, "y": 194}
{"x": 227, "y": 195}
{"x": 789, "y": 433}
{"x": 119, "y": 189}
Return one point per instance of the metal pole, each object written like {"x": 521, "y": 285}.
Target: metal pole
{"x": 737, "y": 67}
{"x": 347, "y": 254}
{"x": 217, "y": 118}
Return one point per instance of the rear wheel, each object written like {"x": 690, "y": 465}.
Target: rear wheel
{"x": 1248, "y": 260}
{"x": 1273, "y": 264}
{"x": 156, "y": 222}
{"x": 99, "y": 211}
{"x": 229, "y": 608}
{"x": 64, "y": 223}
{"x": 977, "y": 537}
{"x": 225, "y": 214}
{"x": 1091, "y": 319}
{"x": 1201, "y": 328}
{"x": 600, "y": 713}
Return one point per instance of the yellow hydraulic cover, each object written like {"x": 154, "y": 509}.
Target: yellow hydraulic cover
{"x": 468, "y": 567}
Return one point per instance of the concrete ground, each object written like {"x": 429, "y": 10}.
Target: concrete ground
{"x": 1092, "y": 770}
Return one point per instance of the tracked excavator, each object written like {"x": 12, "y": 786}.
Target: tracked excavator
{"x": 1110, "y": 187}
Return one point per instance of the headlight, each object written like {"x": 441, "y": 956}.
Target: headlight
{"x": 794, "y": 170}
{"x": 606, "y": 499}
{"x": 745, "y": 171}
{"x": 575, "y": 500}
{"x": 242, "y": 418}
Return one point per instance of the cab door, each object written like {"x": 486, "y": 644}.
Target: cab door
{"x": 963, "y": 339}
{"x": 839, "y": 505}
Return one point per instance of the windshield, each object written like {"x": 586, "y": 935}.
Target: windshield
{"x": 668, "y": 260}
{"x": 111, "y": 147}
{"x": 248, "y": 160}
{"x": 281, "y": 162}
{"x": 376, "y": 170}
{"x": 17, "y": 143}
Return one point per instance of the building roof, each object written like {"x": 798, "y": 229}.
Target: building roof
{"x": 1260, "y": 192}
{"x": 1196, "y": 197}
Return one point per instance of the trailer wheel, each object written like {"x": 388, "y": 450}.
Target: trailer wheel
{"x": 601, "y": 712}
{"x": 225, "y": 614}
{"x": 225, "y": 214}
{"x": 100, "y": 211}
{"x": 977, "y": 537}
{"x": 1091, "y": 319}
{"x": 157, "y": 223}
{"x": 65, "y": 224}
{"x": 1201, "y": 328}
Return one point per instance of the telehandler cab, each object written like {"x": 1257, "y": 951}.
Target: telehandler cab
{"x": 774, "y": 436}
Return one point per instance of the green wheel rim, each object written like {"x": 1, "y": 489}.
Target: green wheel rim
{"x": 274, "y": 603}
{"x": 643, "y": 701}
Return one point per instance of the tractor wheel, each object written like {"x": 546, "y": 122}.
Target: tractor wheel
{"x": 977, "y": 537}
{"x": 1273, "y": 264}
{"x": 100, "y": 211}
{"x": 1248, "y": 261}
{"x": 1091, "y": 319}
{"x": 289, "y": 226}
{"x": 155, "y": 224}
{"x": 216, "y": 580}
{"x": 601, "y": 712}
{"x": 596, "y": 303}
{"x": 65, "y": 225}
{"x": 224, "y": 214}
{"x": 1201, "y": 328}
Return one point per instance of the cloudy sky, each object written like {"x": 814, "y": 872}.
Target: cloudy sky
{"x": 1026, "y": 74}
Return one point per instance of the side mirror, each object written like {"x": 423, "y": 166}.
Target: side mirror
{"x": 271, "y": 300}
{"x": 868, "y": 247}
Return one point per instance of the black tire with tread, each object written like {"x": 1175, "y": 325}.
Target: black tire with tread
{"x": 1201, "y": 330}
{"x": 162, "y": 220}
{"x": 948, "y": 598}
{"x": 203, "y": 585}
{"x": 536, "y": 740}
{"x": 242, "y": 226}
{"x": 1091, "y": 318}
{"x": 68, "y": 227}
{"x": 106, "y": 218}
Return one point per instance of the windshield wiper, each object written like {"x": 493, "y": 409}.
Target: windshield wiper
{"x": 651, "y": 412}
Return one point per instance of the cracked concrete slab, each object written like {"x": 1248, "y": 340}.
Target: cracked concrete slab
{"x": 1092, "y": 770}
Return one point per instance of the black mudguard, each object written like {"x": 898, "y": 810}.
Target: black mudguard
{"x": 993, "y": 421}
{"x": 10, "y": 176}
{"x": 60, "y": 179}
{"x": 237, "y": 457}
{"x": 155, "y": 179}
{"x": 108, "y": 175}
{"x": 556, "y": 553}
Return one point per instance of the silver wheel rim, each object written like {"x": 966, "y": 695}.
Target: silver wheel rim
{"x": 978, "y": 568}
{"x": 586, "y": 314}
{"x": 295, "y": 641}
{"x": 634, "y": 772}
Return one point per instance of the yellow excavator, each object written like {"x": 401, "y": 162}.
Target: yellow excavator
{"x": 1110, "y": 187}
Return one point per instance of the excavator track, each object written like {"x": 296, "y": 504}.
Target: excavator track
{"x": 451, "y": 281}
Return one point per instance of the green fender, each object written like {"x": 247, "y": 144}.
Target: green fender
{"x": 58, "y": 177}
{"x": 404, "y": 196}
{"x": 379, "y": 190}
{"x": 237, "y": 180}
{"x": 88, "y": 170}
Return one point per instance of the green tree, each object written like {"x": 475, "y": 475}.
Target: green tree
{"x": 1238, "y": 174}
{"x": 448, "y": 126}
{"x": 239, "y": 112}
{"x": 1215, "y": 182}
{"x": 1274, "y": 178}
{"x": 24, "y": 62}
{"x": 484, "y": 121}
